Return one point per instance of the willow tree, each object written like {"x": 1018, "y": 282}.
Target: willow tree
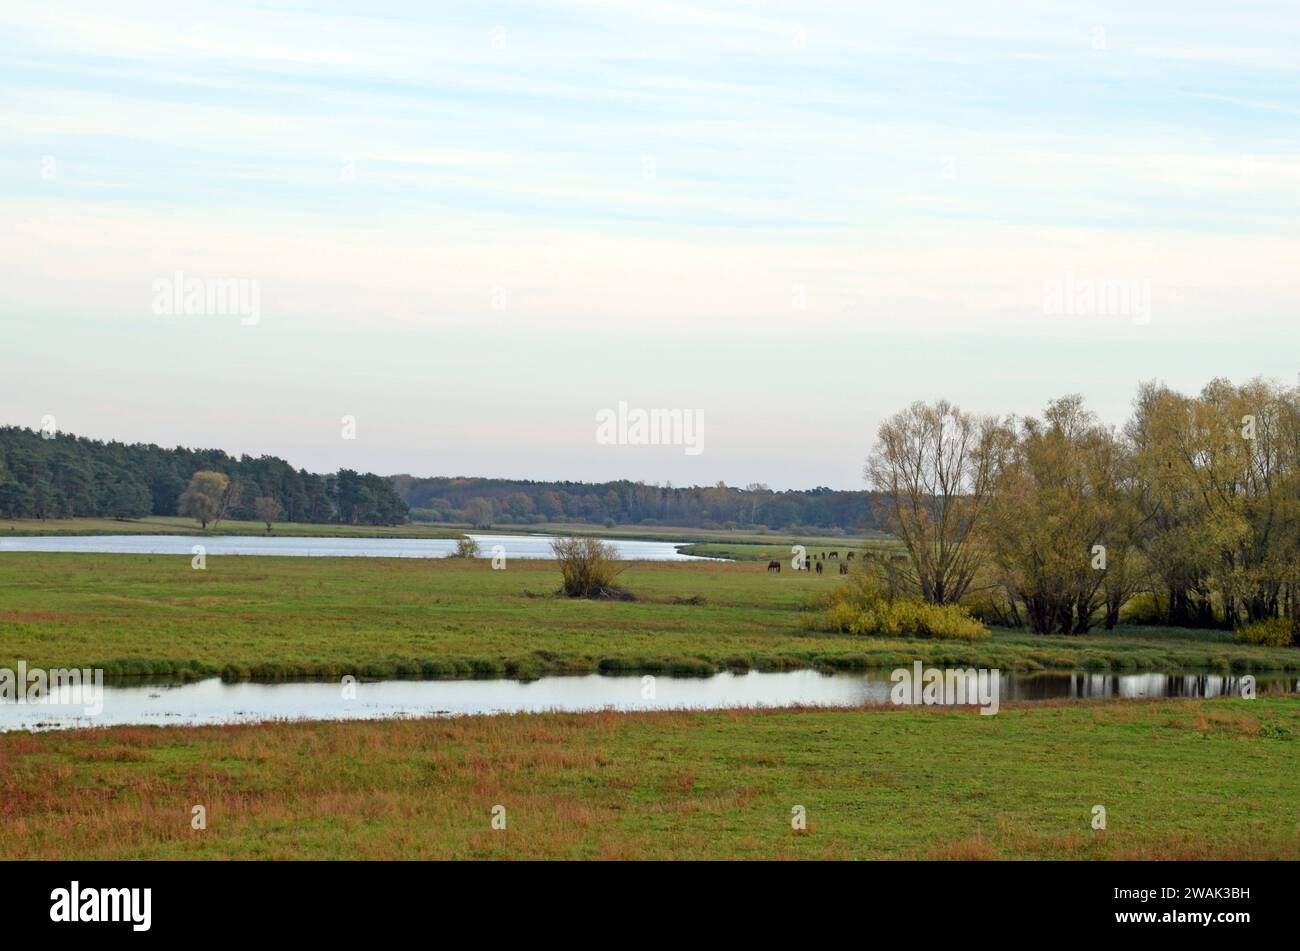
{"x": 268, "y": 509}
{"x": 934, "y": 467}
{"x": 205, "y": 496}
{"x": 1059, "y": 520}
{"x": 1239, "y": 449}
{"x": 1174, "y": 539}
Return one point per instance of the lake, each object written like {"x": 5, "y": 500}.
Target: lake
{"x": 514, "y": 546}
{"x": 212, "y": 701}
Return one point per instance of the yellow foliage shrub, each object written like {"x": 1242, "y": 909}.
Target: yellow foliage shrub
{"x": 1275, "y": 632}
{"x": 860, "y": 607}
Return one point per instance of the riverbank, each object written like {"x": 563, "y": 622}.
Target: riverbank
{"x": 176, "y": 525}
{"x": 1178, "y": 779}
{"x": 703, "y": 543}
{"x": 277, "y": 618}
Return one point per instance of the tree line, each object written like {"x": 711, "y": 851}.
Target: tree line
{"x": 1188, "y": 515}
{"x": 484, "y": 502}
{"x": 65, "y": 476}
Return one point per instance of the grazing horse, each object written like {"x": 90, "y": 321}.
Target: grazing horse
{"x": 835, "y": 555}
{"x": 844, "y": 569}
{"x": 774, "y": 566}
{"x": 850, "y": 557}
{"x": 819, "y": 567}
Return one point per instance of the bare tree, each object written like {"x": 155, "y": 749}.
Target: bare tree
{"x": 935, "y": 466}
{"x": 229, "y": 502}
{"x": 757, "y": 492}
{"x": 268, "y": 510}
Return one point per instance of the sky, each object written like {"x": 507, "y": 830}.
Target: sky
{"x": 463, "y": 232}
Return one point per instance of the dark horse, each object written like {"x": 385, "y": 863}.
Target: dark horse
{"x": 819, "y": 567}
{"x": 774, "y": 566}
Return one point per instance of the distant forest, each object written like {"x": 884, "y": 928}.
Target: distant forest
{"x": 483, "y": 502}
{"x": 65, "y": 476}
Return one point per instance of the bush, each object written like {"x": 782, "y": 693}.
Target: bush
{"x": 860, "y": 606}
{"x": 1144, "y": 608}
{"x": 466, "y": 548}
{"x": 588, "y": 568}
{"x": 1275, "y": 632}
{"x": 989, "y": 608}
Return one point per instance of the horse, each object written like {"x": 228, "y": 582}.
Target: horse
{"x": 835, "y": 555}
{"x": 850, "y": 557}
{"x": 774, "y": 566}
{"x": 819, "y": 567}
{"x": 844, "y": 569}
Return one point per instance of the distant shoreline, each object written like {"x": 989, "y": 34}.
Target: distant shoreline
{"x": 168, "y": 525}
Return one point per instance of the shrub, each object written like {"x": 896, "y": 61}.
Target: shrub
{"x": 588, "y": 568}
{"x": 466, "y": 548}
{"x": 1144, "y": 607}
{"x": 1275, "y": 632}
{"x": 861, "y": 606}
{"x": 990, "y": 608}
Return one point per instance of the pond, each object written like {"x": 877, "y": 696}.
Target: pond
{"x": 514, "y": 546}
{"x": 215, "y": 702}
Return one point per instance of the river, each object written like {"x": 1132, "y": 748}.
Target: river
{"x": 212, "y": 701}
{"x": 512, "y": 546}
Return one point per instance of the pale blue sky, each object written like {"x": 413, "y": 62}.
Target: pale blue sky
{"x": 474, "y": 226}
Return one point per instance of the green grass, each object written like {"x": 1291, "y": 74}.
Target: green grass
{"x": 817, "y": 548}
{"x": 271, "y": 618}
{"x": 1179, "y": 779}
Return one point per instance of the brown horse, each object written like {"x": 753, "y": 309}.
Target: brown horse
{"x": 844, "y": 569}
{"x": 819, "y": 567}
{"x": 835, "y": 555}
{"x": 774, "y": 566}
{"x": 850, "y": 557}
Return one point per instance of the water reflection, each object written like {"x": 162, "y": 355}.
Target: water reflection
{"x": 214, "y": 702}
{"x": 513, "y": 546}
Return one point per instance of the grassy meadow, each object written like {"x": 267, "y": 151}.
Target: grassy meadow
{"x": 1179, "y": 779}
{"x": 271, "y": 618}
{"x": 769, "y": 550}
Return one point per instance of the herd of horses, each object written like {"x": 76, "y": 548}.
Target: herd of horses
{"x": 810, "y": 564}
